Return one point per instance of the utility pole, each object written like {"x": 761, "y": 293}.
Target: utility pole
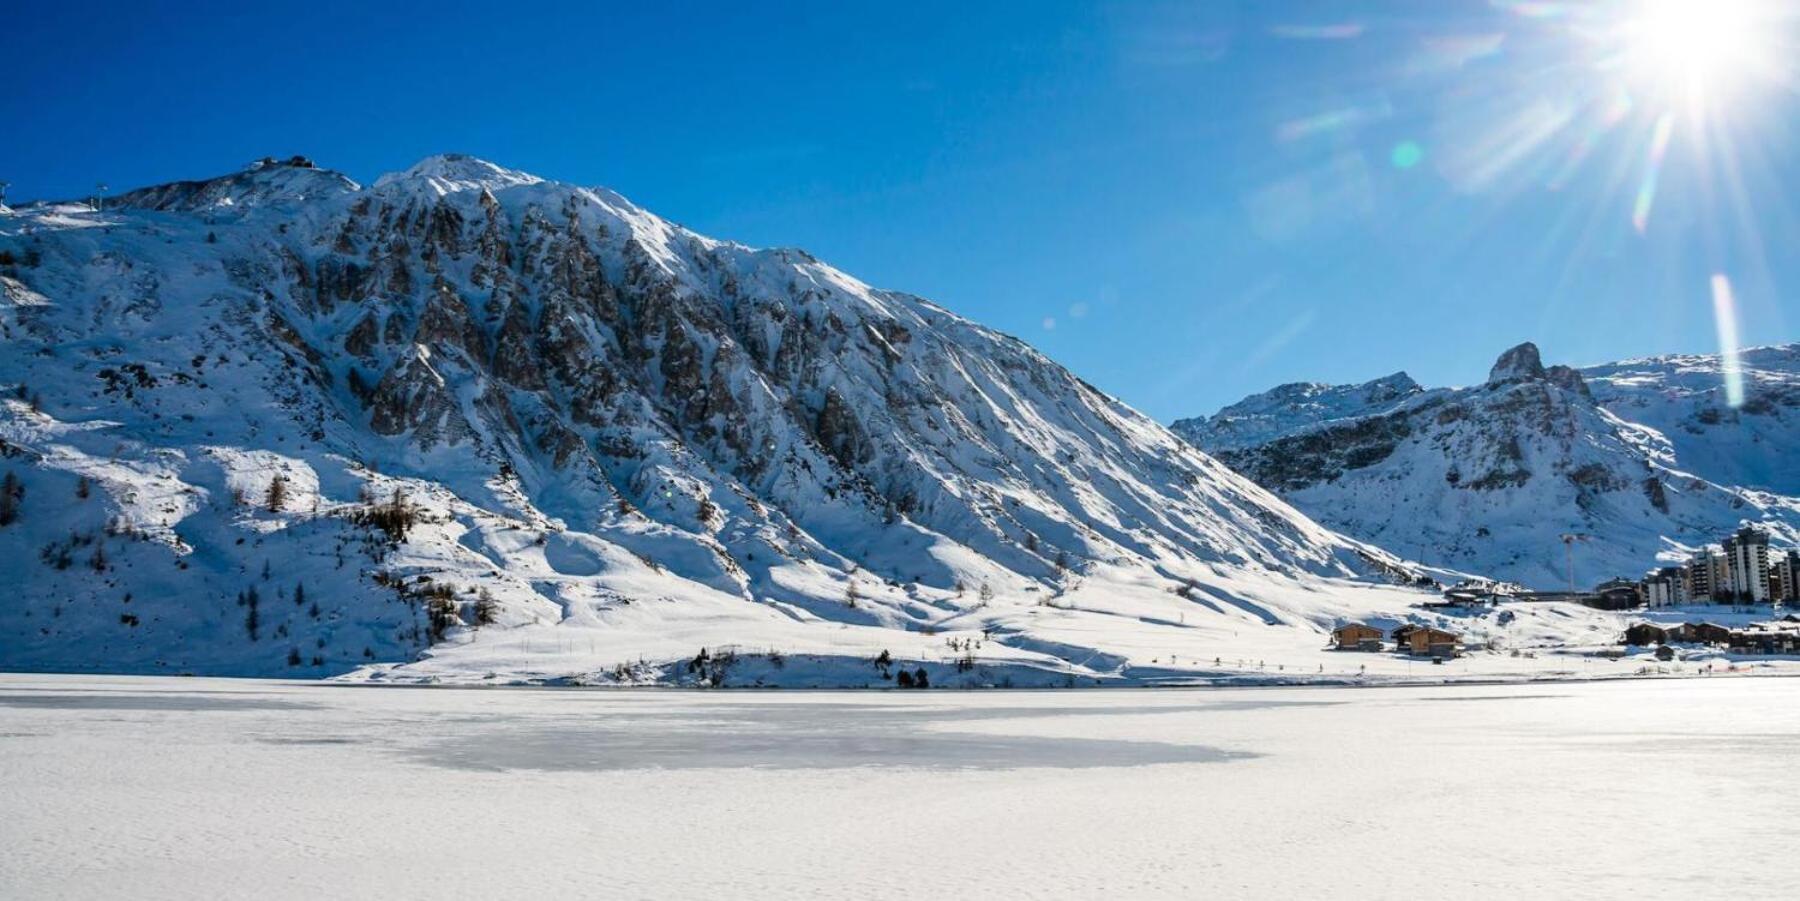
{"x": 1568, "y": 541}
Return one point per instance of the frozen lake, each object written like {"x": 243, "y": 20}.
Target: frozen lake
{"x": 187, "y": 788}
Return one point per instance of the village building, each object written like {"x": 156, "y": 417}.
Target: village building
{"x": 1616, "y": 594}
{"x": 1698, "y": 576}
{"x": 1646, "y": 634}
{"x": 1664, "y": 587}
{"x": 1699, "y": 633}
{"x": 1747, "y": 565}
{"x": 1356, "y": 637}
{"x": 1763, "y": 640}
{"x": 1784, "y": 576}
{"x": 1424, "y": 641}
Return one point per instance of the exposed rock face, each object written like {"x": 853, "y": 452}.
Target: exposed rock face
{"x": 1521, "y": 362}
{"x": 1568, "y": 379}
{"x": 1264, "y": 417}
{"x": 1484, "y": 479}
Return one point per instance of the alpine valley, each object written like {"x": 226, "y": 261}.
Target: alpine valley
{"x": 468, "y": 424}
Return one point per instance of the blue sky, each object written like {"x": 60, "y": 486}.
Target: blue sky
{"x": 1183, "y": 202}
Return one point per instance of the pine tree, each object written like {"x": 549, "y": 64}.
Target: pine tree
{"x": 277, "y": 496}
{"x": 299, "y": 594}
{"x": 12, "y": 494}
{"x": 83, "y": 488}
{"x": 251, "y": 620}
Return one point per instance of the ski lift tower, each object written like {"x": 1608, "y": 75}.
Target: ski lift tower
{"x": 1568, "y": 540}
{"x": 3, "y": 186}
{"x": 99, "y": 196}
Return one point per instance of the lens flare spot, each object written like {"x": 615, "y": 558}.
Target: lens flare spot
{"x": 1406, "y": 154}
{"x": 1646, "y": 195}
{"x": 1726, "y": 320}
{"x": 1333, "y": 32}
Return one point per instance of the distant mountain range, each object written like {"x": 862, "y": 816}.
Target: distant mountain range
{"x": 1643, "y": 458}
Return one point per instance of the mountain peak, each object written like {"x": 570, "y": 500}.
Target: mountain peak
{"x": 448, "y": 173}
{"x": 1520, "y": 362}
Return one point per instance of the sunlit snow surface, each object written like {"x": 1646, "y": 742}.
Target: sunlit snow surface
{"x": 190, "y": 788}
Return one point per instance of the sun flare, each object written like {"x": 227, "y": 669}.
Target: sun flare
{"x": 1694, "y": 49}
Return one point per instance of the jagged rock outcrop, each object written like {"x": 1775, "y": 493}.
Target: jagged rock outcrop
{"x": 1517, "y": 363}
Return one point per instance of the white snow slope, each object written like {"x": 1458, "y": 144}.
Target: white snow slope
{"x": 1645, "y": 457}
{"x": 527, "y": 430}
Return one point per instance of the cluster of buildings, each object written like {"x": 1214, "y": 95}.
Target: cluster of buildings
{"x": 1779, "y": 637}
{"x": 1419, "y": 641}
{"x": 1742, "y": 570}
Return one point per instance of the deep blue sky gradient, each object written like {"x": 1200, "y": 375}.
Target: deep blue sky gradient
{"x": 1183, "y": 202}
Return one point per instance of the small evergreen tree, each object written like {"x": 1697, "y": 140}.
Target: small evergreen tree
{"x": 12, "y": 495}
{"x": 921, "y": 679}
{"x": 278, "y": 492}
{"x": 83, "y": 488}
{"x": 252, "y": 621}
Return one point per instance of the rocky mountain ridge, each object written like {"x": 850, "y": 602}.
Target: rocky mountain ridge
{"x": 1643, "y": 458}
{"x": 496, "y": 404}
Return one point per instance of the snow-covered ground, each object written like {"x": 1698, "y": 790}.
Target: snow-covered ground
{"x": 148, "y": 787}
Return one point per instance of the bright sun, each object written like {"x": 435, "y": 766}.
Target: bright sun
{"x": 1694, "y": 48}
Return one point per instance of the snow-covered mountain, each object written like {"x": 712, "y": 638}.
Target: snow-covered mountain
{"x": 278, "y": 422}
{"x": 1645, "y": 457}
{"x": 1683, "y": 397}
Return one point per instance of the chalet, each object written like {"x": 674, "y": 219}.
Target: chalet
{"x": 1356, "y": 637}
{"x": 1645, "y": 634}
{"x": 1760, "y": 641}
{"x": 1699, "y": 633}
{"x": 1424, "y": 641}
